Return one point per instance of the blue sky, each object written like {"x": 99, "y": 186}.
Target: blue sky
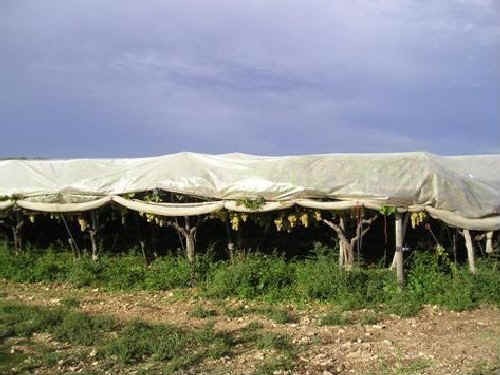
{"x": 136, "y": 78}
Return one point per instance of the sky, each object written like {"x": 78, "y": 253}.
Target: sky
{"x": 107, "y": 78}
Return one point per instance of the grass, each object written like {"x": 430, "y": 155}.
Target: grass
{"x": 201, "y": 312}
{"x": 131, "y": 345}
{"x": 368, "y": 318}
{"x": 70, "y": 302}
{"x": 334, "y": 318}
{"x": 284, "y": 356}
{"x": 431, "y": 279}
{"x": 125, "y": 343}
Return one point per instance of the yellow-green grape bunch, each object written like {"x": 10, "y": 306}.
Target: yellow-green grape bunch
{"x": 149, "y": 217}
{"x": 32, "y": 218}
{"x": 279, "y": 224}
{"x": 304, "y": 219}
{"x": 83, "y": 223}
{"x": 417, "y": 218}
{"x": 244, "y": 217}
{"x": 317, "y": 215}
{"x": 235, "y": 223}
{"x": 158, "y": 221}
{"x": 292, "y": 219}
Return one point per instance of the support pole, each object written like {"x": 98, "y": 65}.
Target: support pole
{"x": 405, "y": 226}
{"x": 489, "y": 243}
{"x": 398, "y": 257}
{"x": 470, "y": 250}
{"x": 93, "y": 234}
{"x": 230, "y": 243}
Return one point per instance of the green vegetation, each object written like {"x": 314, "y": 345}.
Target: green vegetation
{"x": 432, "y": 279}
{"x": 334, "y": 318}
{"x": 157, "y": 348}
{"x": 201, "y": 312}
{"x": 70, "y": 302}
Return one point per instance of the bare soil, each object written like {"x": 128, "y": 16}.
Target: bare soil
{"x": 435, "y": 341}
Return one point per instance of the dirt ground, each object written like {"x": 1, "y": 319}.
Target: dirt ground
{"x": 435, "y": 341}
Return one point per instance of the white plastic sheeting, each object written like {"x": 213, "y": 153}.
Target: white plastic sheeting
{"x": 170, "y": 209}
{"x": 4, "y": 205}
{"x": 63, "y": 207}
{"x": 461, "y": 190}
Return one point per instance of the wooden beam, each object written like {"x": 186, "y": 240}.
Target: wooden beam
{"x": 94, "y": 227}
{"x": 406, "y": 215}
{"x": 398, "y": 257}
{"x": 470, "y": 250}
{"x": 489, "y": 243}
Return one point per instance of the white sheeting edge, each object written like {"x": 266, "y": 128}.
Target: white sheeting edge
{"x": 338, "y": 205}
{"x": 170, "y": 209}
{"x": 266, "y": 207}
{"x": 5, "y": 205}
{"x": 485, "y": 224}
{"x": 63, "y": 207}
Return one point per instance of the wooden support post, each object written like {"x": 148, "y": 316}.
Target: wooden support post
{"x": 398, "y": 257}
{"x": 489, "y": 243}
{"x": 405, "y": 226}
{"x": 470, "y": 250}
{"x": 230, "y": 243}
{"x": 93, "y": 234}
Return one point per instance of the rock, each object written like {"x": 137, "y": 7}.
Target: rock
{"x": 355, "y": 354}
{"x": 305, "y": 340}
{"x": 259, "y": 356}
{"x": 21, "y": 349}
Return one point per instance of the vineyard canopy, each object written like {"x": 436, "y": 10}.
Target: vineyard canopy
{"x": 463, "y": 191}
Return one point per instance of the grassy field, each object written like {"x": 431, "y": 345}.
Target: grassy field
{"x": 255, "y": 315}
{"x": 54, "y": 328}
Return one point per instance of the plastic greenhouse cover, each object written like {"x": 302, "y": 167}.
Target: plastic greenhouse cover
{"x": 467, "y": 187}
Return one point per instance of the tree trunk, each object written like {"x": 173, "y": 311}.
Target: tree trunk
{"x": 147, "y": 260}
{"x": 399, "y": 249}
{"x": 341, "y": 244}
{"x": 348, "y": 255}
{"x": 16, "y": 233}
{"x": 93, "y": 235}
{"x": 346, "y": 246}
{"x": 73, "y": 248}
{"x": 341, "y": 254}
{"x": 190, "y": 247}
{"x": 470, "y": 251}
{"x": 14, "y": 236}
{"x": 188, "y": 233}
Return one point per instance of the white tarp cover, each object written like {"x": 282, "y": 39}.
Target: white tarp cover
{"x": 464, "y": 187}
